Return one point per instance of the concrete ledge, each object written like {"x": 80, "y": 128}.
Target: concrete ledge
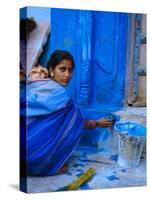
{"x": 134, "y": 114}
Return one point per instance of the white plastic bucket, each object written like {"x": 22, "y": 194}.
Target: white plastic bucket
{"x": 131, "y": 139}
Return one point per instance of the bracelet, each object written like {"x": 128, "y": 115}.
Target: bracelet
{"x": 93, "y": 124}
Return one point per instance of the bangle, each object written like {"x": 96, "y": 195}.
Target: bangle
{"x": 93, "y": 124}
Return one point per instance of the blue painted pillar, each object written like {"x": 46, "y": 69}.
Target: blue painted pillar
{"x": 63, "y": 37}
{"x": 83, "y": 56}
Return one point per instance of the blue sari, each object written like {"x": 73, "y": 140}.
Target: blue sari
{"x": 51, "y": 125}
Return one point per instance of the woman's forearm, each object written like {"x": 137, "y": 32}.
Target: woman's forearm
{"x": 102, "y": 123}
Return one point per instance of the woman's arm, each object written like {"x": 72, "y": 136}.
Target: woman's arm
{"x": 101, "y": 123}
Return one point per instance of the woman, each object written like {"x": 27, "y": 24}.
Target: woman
{"x": 53, "y": 121}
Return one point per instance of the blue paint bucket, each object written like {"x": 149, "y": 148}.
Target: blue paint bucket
{"x": 131, "y": 139}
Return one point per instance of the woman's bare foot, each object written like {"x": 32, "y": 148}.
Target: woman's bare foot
{"x": 63, "y": 169}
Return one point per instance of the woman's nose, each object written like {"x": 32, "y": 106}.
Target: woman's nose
{"x": 67, "y": 74}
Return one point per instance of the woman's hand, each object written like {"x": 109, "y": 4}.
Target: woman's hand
{"x": 103, "y": 123}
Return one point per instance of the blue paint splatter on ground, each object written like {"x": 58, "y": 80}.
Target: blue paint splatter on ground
{"x": 112, "y": 178}
{"x": 80, "y": 174}
{"x": 81, "y": 165}
{"x": 75, "y": 165}
{"x": 80, "y": 170}
{"x": 114, "y": 157}
{"x": 78, "y": 164}
{"x": 69, "y": 173}
{"x": 123, "y": 170}
{"x": 85, "y": 187}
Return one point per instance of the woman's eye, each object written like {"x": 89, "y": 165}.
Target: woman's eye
{"x": 63, "y": 69}
{"x": 70, "y": 71}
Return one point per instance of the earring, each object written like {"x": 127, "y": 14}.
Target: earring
{"x": 52, "y": 75}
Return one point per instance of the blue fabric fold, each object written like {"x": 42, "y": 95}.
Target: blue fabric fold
{"x": 53, "y": 129}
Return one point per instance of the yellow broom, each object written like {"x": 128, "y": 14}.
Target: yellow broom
{"x": 79, "y": 181}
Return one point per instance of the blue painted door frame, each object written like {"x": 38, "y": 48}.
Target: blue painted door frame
{"x": 97, "y": 40}
{"x": 109, "y": 57}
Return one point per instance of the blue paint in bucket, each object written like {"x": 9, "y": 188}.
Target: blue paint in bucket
{"x": 131, "y": 139}
{"x": 130, "y": 128}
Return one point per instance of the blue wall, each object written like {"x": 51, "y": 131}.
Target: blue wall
{"x": 108, "y": 58}
{"x": 97, "y": 40}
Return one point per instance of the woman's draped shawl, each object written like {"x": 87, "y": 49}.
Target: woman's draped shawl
{"x": 51, "y": 124}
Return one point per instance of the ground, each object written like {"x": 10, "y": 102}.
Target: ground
{"x": 104, "y": 161}
{"x": 108, "y": 173}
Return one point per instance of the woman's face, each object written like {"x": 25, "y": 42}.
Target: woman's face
{"x": 62, "y": 72}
